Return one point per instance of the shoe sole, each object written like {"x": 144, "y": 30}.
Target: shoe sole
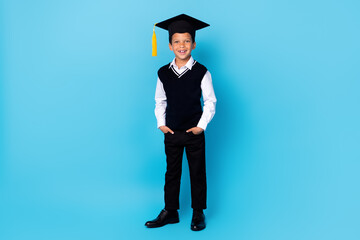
{"x": 197, "y": 229}
{"x": 170, "y": 221}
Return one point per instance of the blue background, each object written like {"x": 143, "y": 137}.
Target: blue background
{"x": 81, "y": 157}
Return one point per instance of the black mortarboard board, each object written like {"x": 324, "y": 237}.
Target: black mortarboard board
{"x": 179, "y": 24}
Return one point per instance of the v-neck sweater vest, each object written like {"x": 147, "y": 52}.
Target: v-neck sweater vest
{"x": 183, "y": 94}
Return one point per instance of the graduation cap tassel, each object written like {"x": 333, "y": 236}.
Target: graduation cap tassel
{"x": 154, "y": 44}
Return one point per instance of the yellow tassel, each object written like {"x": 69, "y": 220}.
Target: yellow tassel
{"x": 154, "y": 44}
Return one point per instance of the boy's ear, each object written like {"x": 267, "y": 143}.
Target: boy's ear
{"x": 170, "y": 46}
{"x": 194, "y": 45}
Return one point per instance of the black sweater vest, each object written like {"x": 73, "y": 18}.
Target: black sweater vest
{"x": 183, "y": 93}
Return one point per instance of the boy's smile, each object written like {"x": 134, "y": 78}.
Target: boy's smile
{"x": 182, "y": 45}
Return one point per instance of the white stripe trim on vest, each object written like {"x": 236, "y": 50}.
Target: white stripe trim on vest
{"x": 180, "y": 75}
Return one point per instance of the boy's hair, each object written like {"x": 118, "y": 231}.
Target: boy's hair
{"x": 192, "y": 37}
{"x": 181, "y": 26}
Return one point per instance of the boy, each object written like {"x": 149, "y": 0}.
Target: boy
{"x": 181, "y": 118}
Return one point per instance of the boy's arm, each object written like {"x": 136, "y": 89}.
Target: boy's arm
{"x": 209, "y": 101}
{"x": 160, "y": 104}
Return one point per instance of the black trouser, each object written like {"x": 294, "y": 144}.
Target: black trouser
{"x": 195, "y": 151}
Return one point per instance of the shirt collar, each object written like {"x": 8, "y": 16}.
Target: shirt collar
{"x": 188, "y": 65}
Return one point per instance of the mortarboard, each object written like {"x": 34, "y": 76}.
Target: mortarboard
{"x": 178, "y": 24}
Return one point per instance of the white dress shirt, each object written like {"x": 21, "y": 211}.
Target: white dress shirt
{"x": 208, "y": 96}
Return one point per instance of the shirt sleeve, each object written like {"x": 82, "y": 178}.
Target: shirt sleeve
{"x": 209, "y": 99}
{"x": 160, "y": 104}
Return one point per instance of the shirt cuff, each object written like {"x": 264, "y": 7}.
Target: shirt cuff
{"x": 202, "y": 124}
{"x": 160, "y": 123}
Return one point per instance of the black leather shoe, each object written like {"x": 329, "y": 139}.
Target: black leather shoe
{"x": 164, "y": 218}
{"x": 198, "y": 221}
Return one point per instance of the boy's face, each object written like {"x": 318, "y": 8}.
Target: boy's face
{"x": 182, "y": 45}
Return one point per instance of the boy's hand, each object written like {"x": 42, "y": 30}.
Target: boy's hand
{"x": 165, "y": 129}
{"x": 195, "y": 130}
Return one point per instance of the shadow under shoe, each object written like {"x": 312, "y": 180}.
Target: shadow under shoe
{"x": 165, "y": 217}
